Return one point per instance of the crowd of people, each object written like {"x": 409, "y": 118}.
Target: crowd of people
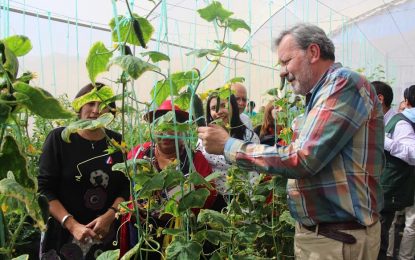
{"x": 350, "y": 164}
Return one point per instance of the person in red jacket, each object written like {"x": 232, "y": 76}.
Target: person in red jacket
{"x": 162, "y": 153}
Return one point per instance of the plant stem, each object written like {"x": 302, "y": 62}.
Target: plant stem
{"x": 152, "y": 10}
{"x": 129, "y": 9}
{"x": 16, "y": 233}
{"x": 3, "y": 130}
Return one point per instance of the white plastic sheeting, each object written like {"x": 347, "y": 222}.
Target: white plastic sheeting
{"x": 366, "y": 33}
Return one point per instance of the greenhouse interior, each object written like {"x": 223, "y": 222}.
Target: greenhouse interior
{"x": 207, "y": 129}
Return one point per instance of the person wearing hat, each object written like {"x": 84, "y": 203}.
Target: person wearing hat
{"x": 78, "y": 181}
{"x": 161, "y": 153}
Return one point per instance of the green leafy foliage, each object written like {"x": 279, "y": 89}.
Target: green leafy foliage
{"x": 100, "y": 122}
{"x": 10, "y": 188}
{"x": 176, "y": 82}
{"x": 109, "y": 255}
{"x": 154, "y": 184}
{"x": 165, "y": 123}
{"x": 22, "y": 257}
{"x": 183, "y": 100}
{"x": 236, "y": 79}
{"x": 236, "y": 24}
{"x": 193, "y": 199}
{"x": 197, "y": 179}
{"x": 20, "y": 45}
{"x": 40, "y": 102}
{"x": 12, "y": 159}
{"x": 4, "y": 112}
{"x": 10, "y": 62}
{"x": 97, "y": 60}
{"x": 213, "y": 236}
{"x": 204, "y": 52}
{"x": 214, "y": 219}
{"x": 232, "y": 46}
{"x": 124, "y": 26}
{"x": 156, "y": 56}
{"x": 134, "y": 66}
{"x": 182, "y": 249}
{"x": 214, "y": 11}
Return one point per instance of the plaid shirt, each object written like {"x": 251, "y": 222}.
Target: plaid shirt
{"x": 335, "y": 163}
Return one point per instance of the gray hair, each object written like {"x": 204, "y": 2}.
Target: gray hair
{"x": 306, "y": 34}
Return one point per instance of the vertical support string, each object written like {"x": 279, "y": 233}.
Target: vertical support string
{"x": 77, "y": 42}
{"x": 67, "y": 55}
{"x": 40, "y": 49}
{"x": 52, "y": 54}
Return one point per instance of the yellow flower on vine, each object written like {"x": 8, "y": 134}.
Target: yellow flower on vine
{"x": 203, "y": 96}
{"x": 4, "y": 207}
{"x": 31, "y": 149}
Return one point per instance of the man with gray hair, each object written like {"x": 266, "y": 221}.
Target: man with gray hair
{"x": 333, "y": 166}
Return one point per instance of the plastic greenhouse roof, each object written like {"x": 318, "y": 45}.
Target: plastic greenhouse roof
{"x": 366, "y": 33}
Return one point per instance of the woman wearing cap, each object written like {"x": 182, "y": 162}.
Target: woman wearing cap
{"x": 82, "y": 190}
{"x": 161, "y": 153}
{"x": 229, "y": 115}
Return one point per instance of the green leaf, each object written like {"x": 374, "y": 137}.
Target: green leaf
{"x": 173, "y": 178}
{"x": 214, "y": 11}
{"x": 232, "y": 46}
{"x": 40, "y": 102}
{"x": 273, "y": 92}
{"x": 196, "y": 179}
{"x": 109, "y": 255}
{"x": 97, "y": 60}
{"x": 213, "y": 176}
{"x": 130, "y": 163}
{"x": 214, "y": 219}
{"x": 236, "y": 24}
{"x": 166, "y": 123}
{"x": 183, "y": 101}
{"x": 10, "y": 188}
{"x": 213, "y": 236}
{"x": 215, "y": 256}
{"x": 177, "y": 81}
{"x": 12, "y": 159}
{"x": 132, "y": 252}
{"x": 249, "y": 233}
{"x": 193, "y": 199}
{"x": 20, "y": 45}
{"x": 100, "y": 122}
{"x": 153, "y": 184}
{"x": 4, "y": 112}
{"x": 236, "y": 79}
{"x": 156, "y": 56}
{"x": 182, "y": 249}
{"x": 287, "y": 218}
{"x": 125, "y": 24}
{"x": 204, "y": 52}
{"x": 22, "y": 257}
{"x": 10, "y": 64}
{"x": 236, "y": 47}
{"x": 134, "y": 66}
{"x": 171, "y": 208}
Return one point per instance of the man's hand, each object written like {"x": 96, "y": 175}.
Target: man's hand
{"x": 213, "y": 138}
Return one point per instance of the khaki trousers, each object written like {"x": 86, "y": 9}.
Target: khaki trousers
{"x": 310, "y": 246}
